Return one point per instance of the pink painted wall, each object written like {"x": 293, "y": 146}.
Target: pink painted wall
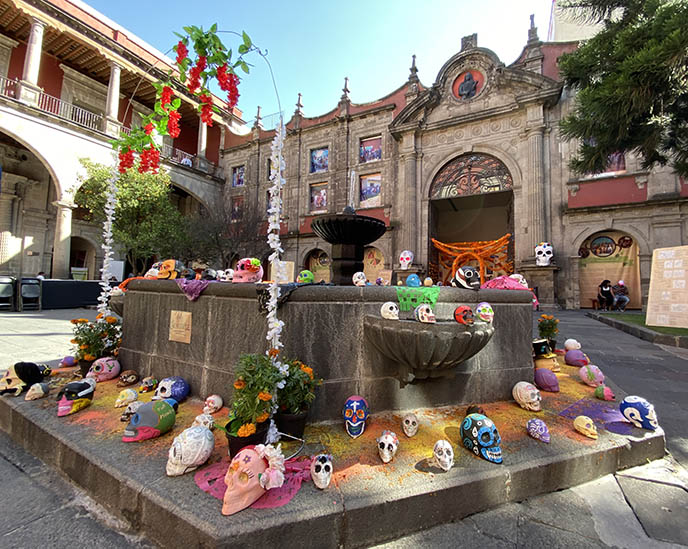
{"x": 49, "y": 76}
{"x": 607, "y": 192}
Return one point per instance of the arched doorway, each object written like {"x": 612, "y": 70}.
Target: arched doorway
{"x": 611, "y": 255}
{"x": 318, "y": 262}
{"x": 471, "y": 199}
{"x": 373, "y": 263}
{"x": 82, "y": 255}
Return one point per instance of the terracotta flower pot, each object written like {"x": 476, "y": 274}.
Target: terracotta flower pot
{"x": 237, "y": 443}
{"x": 291, "y": 424}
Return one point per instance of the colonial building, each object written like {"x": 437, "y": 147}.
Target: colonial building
{"x": 70, "y": 79}
{"x": 472, "y": 157}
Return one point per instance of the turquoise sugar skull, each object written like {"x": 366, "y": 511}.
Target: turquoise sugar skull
{"x": 479, "y": 434}
{"x": 413, "y": 281}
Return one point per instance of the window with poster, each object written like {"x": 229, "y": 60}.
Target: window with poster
{"x": 370, "y": 188}
{"x": 238, "y": 176}
{"x": 237, "y": 212}
{"x": 370, "y": 149}
{"x": 318, "y": 197}
{"x": 319, "y": 160}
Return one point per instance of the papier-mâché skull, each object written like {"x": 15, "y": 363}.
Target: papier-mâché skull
{"x": 212, "y": 404}
{"x": 172, "y": 387}
{"x": 543, "y": 254}
{"x": 37, "y": 390}
{"x": 127, "y": 377}
{"x": 389, "y": 310}
{"x": 443, "y": 454}
{"x": 591, "y": 375}
{"x": 387, "y": 445}
{"x": 126, "y": 397}
{"x": 463, "y": 314}
{"x": 321, "y": 470}
{"x": 466, "y": 277}
{"x": 427, "y": 282}
{"x": 520, "y": 279}
{"x": 409, "y": 423}
{"x": 423, "y": 313}
{"x": 305, "y": 277}
{"x": 359, "y": 279}
{"x": 130, "y": 410}
{"x": 527, "y": 396}
{"x": 75, "y": 396}
{"x": 538, "y": 429}
{"x": 604, "y": 393}
{"x": 204, "y": 420}
{"x": 405, "y": 259}
{"x": 151, "y": 420}
{"x": 413, "y": 281}
{"x": 479, "y": 434}
{"x": 190, "y": 449}
{"x": 148, "y": 384}
{"x": 546, "y": 380}
{"x": 571, "y": 344}
{"x": 104, "y": 369}
{"x": 585, "y": 426}
{"x": 484, "y": 312}
{"x": 248, "y": 270}
{"x": 639, "y": 412}
{"x": 355, "y": 413}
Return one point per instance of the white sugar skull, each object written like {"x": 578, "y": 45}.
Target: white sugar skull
{"x": 410, "y": 424}
{"x": 572, "y": 345}
{"x": 405, "y": 259}
{"x": 359, "y": 279}
{"x": 37, "y": 390}
{"x": 444, "y": 454}
{"x": 527, "y": 395}
{"x": 390, "y": 310}
{"x": 126, "y": 397}
{"x": 212, "y": 404}
{"x": 227, "y": 275}
{"x": 321, "y": 470}
{"x": 484, "y": 312}
{"x": 543, "y": 254}
{"x": 130, "y": 410}
{"x": 423, "y": 313}
{"x": 520, "y": 279}
{"x": 191, "y": 448}
{"x": 585, "y": 426}
{"x": 204, "y": 420}
{"x": 387, "y": 445}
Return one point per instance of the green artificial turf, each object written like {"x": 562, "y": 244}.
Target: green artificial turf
{"x": 639, "y": 320}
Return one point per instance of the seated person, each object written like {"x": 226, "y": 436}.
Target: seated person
{"x": 621, "y": 298}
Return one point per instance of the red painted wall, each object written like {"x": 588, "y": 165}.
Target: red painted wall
{"x": 551, "y": 52}
{"x": 187, "y": 140}
{"x": 213, "y": 143}
{"x": 49, "y": 75}
{"x": 683, "y": 186}
{"x": 608, "y": 192}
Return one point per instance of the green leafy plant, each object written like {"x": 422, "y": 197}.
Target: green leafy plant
{"x": 548, "y": 326}
{"x": 299, "y": 390}
{"x": 93, "y": 340}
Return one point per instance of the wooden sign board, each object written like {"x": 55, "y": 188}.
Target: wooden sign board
{"x": 667, "y": 302}
{"x": 180, "y": 326}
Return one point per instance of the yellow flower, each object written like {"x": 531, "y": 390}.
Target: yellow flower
{"x": 239, "y": 384}
{"x": 262, "y": 417}
{"x": 111, "y": 319}
{"x": 89, "y": 357}
{"x": 246, "y": 430}
{"x": 264, "y": 396}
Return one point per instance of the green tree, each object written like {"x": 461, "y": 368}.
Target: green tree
{"x": 146, "y": 221}
{"x": 632, "y": 83}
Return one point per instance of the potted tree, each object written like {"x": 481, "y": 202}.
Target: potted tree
{"x": 295, "y": 398}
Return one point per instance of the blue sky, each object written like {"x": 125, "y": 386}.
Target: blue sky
{"x": 312, "y": 46}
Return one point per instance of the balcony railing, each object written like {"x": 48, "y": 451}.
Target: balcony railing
{"x": 8, "y": 87}
{"x": 178, "y": 156}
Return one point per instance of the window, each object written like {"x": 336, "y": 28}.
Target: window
{"x": 319, "y": 160}
{"x": 318, "y": 194}
{"x": 238, "y": 176}
{"x": 237, "y": 208}
{"x": 370, "y": 149}
{"x": 370, "y": 190}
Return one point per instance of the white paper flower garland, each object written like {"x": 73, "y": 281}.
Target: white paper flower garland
{"x": 110, "y": 202}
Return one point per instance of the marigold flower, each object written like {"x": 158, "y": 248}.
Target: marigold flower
{"x": 111, "y": 319}
{"x": 273, "y": 352}
{"x": 83, "y": 321}
{"x": 89, "y": 357}
{"x": 246, "y": 430}
{"x": 115, "y": 352}
{"x": 74, "y": 321}
{"x": 99, "y": 316}
{"x": 73, "y": 341}
{"x": 239, "y": 384}
{"x": 264, "y": 396}
{"x": 83, "y": 346}
{"x": 262, "y": 417}
{"x": 308, "y": 370}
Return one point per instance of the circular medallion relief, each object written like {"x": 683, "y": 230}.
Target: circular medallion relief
{"x": 468, "y": 84}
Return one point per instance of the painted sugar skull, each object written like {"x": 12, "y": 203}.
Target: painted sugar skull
{"x": 126, "y": 397}
{"x": 527, "y": 396}
{"x": 484, "y": 312}
{"x": 466, "y": 277}
{"x": 37, "y": 390}
{"x": 479, "y": 434}
{"x": 21, "y": 375}
{"x": 546, "y": 380}
{"x": 541, "y": 349}
{"x": 355, "y": 414}
{"x": 387, "y": 445}
{"x": 423, "y": 313}
{"x": 427, "y": 281}
{"x": 170, "y": 269}
{"x": 413, "y": 281}
{"x": 75, "y": 396}
{"x": 443, "y": 454}
{"x": 359, "y": 279}
{"x": 227, "y": 275}
{"x": 305, "y": 277}
{"x": 604, "y": 393}
{"x": 585, "y": 426}
{"x": 571, "y": 344}
{"x": 172, "y": 387}
{"x": 248, "y": 270}
{"x": 520, "y": 279}
{"x": 591, "y": 375}
{"x": 151, "y": 420}
{"x": 253, "y": 471}
{"x": 321, "y": 470}
{"x": 127, "y": 378}
{"x": 190, "y": 449}
{"x": 212, "y": 404}
{"x": 550, "y": 363}
{"x": 405, "y": 259}
{"x": 204, "y": 420}
{"x": 389, "y": 310}
{"x": 576, "y": 357}
{"x": 464, "y": 315}
{"x": 543, "y": 254}
{"x": 130, "y": 410}
{"x": 538, "y": 429}
{"x": 148, "y": 384}
{"x": 104, "y": 369}
{"x": 639, "y": 412}
{"x": 409, "y": 423}
{"x": 153, "y": 271}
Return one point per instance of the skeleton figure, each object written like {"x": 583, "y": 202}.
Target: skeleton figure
{"x": 423, "y": 313}
{"x": 466, "y": 277}
{"x": 410, "y": 424}
{"x": 390, "y": 310}
{"x": 443, "y": 454}
{"x": 585, "y": 426}
{"x": 527, "y": 396}
{"x": 212, "y": 404}
{"x": 359, "y": 279}
{"x": 639, "y": 412}
{"x": 405, "y": 259}
{"x": 387, "y": 445}
{"x": 191, "y": 448}
{"x": 321, "y": 470}
{"x": 543, "y": 254}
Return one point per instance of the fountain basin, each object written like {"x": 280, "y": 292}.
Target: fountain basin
{"x": 348, "y": 228}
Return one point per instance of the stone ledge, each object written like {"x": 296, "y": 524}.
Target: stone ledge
{"x": 642, "y": 333}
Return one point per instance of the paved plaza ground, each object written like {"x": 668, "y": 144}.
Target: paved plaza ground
{"x": 642, "y": 507}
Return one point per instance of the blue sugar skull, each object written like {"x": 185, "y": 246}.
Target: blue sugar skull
{"x": 479, "y": 434}
{"x": 355, "y": 413}
{"x": 413, "y": 280}
{"x": 538, "y": 429}
{"x": 172, "y": 387}
{"x": 639, "y": 412}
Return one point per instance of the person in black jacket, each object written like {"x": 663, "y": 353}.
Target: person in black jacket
{"x": 605, "y": 295}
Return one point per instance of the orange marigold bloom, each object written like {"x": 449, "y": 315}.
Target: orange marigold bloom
{"x": 89, "y": 357}
{"x": 239, "y": 384}
{"x": 83, "y": 321}
{"x": 73, "y": 341}
{"x": 83, "y": 346}
{"x": 99, "y": 316}
{"x": 74, "y": 321}
{"x": 246, "y": 430}
{"x": 308, "y": 370}
{"x": 111, "y": 319}
{"x": 273, "y": 352}
{"x": 262, "y": 417}
{"x": 264, "y": 396}
{"x": 115, "y": 352}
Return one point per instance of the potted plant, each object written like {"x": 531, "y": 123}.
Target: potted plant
{"x": 548, "y": 329}
{"x": 255, "y": 385}
{"x": 94, "y": 340}
{"x": 295, "y": 398}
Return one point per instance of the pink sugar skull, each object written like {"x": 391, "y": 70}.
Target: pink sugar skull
{"x": 212, "y": 404}
{"x": 104, "y": 369}
{"x": 591, "y": 375}
{"x": 248, "y": 269}
{"x": 604, "y": 393}
{"x": 405, "y": 259}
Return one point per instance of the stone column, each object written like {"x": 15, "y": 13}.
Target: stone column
{"x": 111, "y": 124}
{"x": 28, "y": 89}
{"x": 535, "y": 194}
{"x": 201, "y": 161}
{"x": 62, "y": 243}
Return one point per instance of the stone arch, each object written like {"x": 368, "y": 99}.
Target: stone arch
{"x": 310, "y": 253}
{"x": 644, "y": 247}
